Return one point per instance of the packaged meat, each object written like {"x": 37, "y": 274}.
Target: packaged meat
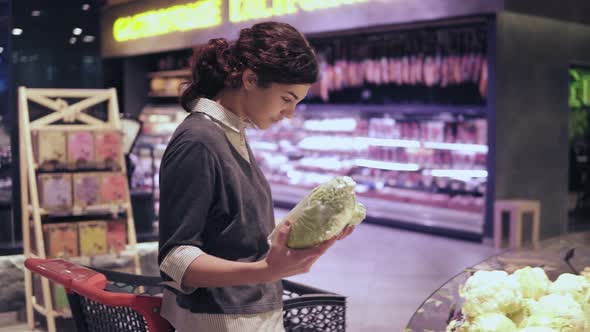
{"x": 384, "y": 70}
{"x": 81, "y": 150}
{"x": 405, "y": 70}
{"x": 109, "y": 150}
{"x": 50, "y": 149}
{"x": 93, "y": 238}
{"x": 483, "y": 79}
{"x": 56, "y": 191}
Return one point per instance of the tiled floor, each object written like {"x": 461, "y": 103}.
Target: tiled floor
{"x": 386, "y": 273}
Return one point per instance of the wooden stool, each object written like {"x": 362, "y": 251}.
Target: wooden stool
{"x": 516, "y": 209}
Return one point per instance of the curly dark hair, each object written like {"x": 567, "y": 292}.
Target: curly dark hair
{"x": 276, "y": 52}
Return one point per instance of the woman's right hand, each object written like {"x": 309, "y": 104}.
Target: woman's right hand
{"x": 282, "y": 262}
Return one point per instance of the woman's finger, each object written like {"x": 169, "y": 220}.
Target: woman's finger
{"x": 284, "y": 234}
{"x": 349, "y": 230}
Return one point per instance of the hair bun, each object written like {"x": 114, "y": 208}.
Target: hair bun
{"x": 210, "y": 69}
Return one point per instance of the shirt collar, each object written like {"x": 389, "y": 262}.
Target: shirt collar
{"x": 221, "y": 114}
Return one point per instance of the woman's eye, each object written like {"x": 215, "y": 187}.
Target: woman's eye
{"x": 287, "y": 100}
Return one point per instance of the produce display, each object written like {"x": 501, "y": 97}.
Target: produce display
{"x": 323, "y": 214}
{"x": 525, "y": 300}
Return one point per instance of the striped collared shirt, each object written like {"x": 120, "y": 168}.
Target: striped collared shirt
{"x": 179, "y": 258}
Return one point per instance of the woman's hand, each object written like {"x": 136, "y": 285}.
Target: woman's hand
{"x": 345, "y": 232}
{"x": 282, "y": 262}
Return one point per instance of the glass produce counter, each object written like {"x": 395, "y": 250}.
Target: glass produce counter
{"x": 435, "y": 312}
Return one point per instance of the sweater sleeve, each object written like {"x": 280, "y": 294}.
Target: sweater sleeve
{"x": 187, "y": 182}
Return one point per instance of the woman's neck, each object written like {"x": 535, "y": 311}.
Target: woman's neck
{"x": 230, "y": 100}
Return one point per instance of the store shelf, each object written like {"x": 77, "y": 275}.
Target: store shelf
{"x": 78, "y": 170}
{"x": 478, "y": 148}
{"x": 63, "y": 217}
{"x": 397, "y": 109}
{"x": 165, "y": 94}
{"x": 386, "y": 165}
{"x": 386, "y": 210}
{"x": 170, "y": 73}
{"x": 361, "y": 142}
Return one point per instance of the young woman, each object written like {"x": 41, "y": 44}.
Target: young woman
{"x": 216, "y": 208}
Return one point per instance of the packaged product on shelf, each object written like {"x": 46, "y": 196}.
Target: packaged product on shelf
{"x": 116, "y": 236}
{"x": 61, "y": 240}
{"x": 481, "y": 126}
{"x": 113, "y": 188}
{"x": 56, "y": 191}
{"x": 93, "y": 238}
{"x": 81, "y": 150}
{"x": 86, "y": 189}
{"x": 50, "y": 147}
{"x": 157, "y": 84}
{"x": 109, "y": 150}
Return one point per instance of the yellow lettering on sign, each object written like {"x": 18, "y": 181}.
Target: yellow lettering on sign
{"x": 245, "y": 10}
{"x": 196, "y": 15}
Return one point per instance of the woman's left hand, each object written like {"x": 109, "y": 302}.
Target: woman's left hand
{"x": 345, "y": 232}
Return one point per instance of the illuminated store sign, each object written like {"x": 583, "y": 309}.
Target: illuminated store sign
{"x": 208, "y": 13}
{"x": 579, "y": 88}
{"x": 245, "y": 10}
{"x": 191, "y": 16}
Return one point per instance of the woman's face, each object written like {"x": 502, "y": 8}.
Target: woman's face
{"x": 267, "y": 106}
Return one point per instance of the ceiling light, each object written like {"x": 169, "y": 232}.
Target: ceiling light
{"x": 36, "y": 13}
{"x": 1, "y": 50}
{"x": 73, "y": 40}
{"x": 85, "y": 6}
{"x": 88, "y": 39}
{"x": 77, "y": 31}
{"x": 17, "y": 31}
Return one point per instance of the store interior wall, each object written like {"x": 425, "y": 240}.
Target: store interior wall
{"x": 44, "y": 56}
{"x": 566, "y": 10}
{"x": 533, "y": 55}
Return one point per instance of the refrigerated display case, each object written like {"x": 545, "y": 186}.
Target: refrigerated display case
{"x": 411, "y": 166}
{"x": 159, "y": 122}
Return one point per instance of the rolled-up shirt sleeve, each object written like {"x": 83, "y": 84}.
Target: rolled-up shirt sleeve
{"x": 175, "y": 265}
{"x": 187, "y": 180}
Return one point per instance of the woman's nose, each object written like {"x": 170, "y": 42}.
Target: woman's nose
{"x": 288, "y": 113}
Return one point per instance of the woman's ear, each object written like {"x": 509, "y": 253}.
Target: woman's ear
{"x": 249, "y": 79}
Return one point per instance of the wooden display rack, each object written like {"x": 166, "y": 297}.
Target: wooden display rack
{"x": 71, "y": 118}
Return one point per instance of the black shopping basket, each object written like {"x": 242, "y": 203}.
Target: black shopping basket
{"x": 109, "y": 301}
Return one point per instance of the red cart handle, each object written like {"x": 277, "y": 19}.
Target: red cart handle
{"x": 90, "y": 284}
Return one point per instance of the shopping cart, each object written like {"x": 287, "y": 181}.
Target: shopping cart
{"x": 109, "y": 301}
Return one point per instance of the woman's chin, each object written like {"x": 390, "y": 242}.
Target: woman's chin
{"x": 265, "y": 125}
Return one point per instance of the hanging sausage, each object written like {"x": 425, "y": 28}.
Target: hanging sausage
{"x": 444, "y": 66}
{"x": 384, "y": 63}
{"x": 405, "y": 63}
{"x": 456, "y": 67}
{"x": 338, "y": 66}
{"x": 431, "y": 62}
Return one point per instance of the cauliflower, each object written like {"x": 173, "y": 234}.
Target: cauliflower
{"x": 537, "y": 329}
{"x": 560, "y": 324}
{"x": 492, "y": 323}
{"x": 560, "y": 312}
{"x": 533, "y": 282}
{"x": 491, "y": 292}
{"x": 323, "y": 214}
{"x": 519, "y": 316}
{"x": 571, "y": 284}
{"x": 586, "y": 273}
